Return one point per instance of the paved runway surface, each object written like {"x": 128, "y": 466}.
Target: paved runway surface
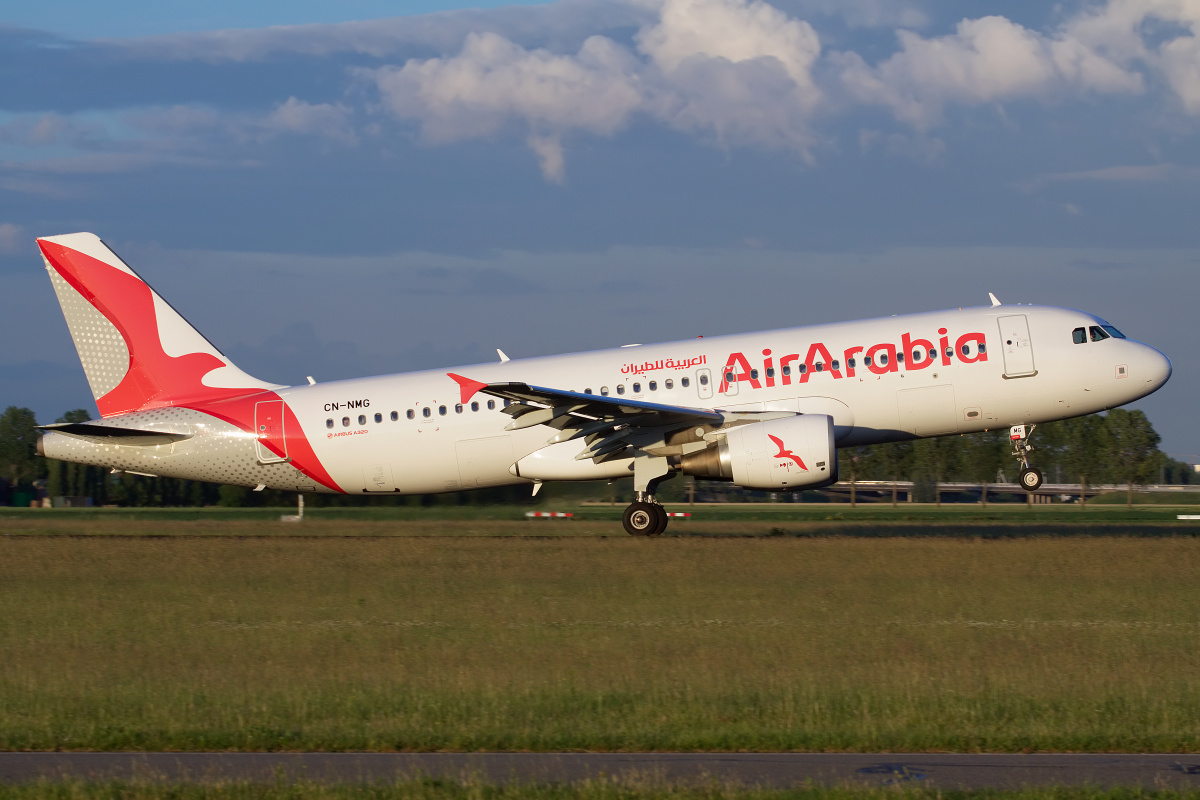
{"x": 764, "y": 769}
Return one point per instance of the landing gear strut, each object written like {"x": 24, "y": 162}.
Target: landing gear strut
{"x": 645, "y": 517}
{"x": 1031, "y": 477}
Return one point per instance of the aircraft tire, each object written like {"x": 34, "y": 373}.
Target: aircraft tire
{"x": 663, "y": 519}
{"x": 1031, "y": 479}
{"x": 642, "y": 519}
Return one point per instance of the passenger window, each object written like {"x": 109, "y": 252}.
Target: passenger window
{"x": 329, "y": 422}
{"x": 836, "y": 365}
{"x": 1098, "y": 333}
{"x": 670, "y": 384}
{"x": 491, "y": 405}
{"x": 587, "y": 391}
{"x": 620, "y": 388}
{"x": 425, "y": 412}
{"x": 379, "y": 417}
{"x": 345, "y": 422}
{"x": 1113, "y": 332}
{"x": 982, "y": 347}
{"x": 410, "y": 413}
{"x": 395, "y": 416}
{"x": 867, "y": 360}
{"x": 604, "y": 391}
{"x": 475, "y": 405}
{"x": 753, "y": 374}
{"x": 770, "y": 372}
{"x": 949, "y": 352}
{"x": 458, "y": 408}
{"x": 653, "y": 386}
{"x": 820, "y": 366}
{"x": 900, "y": 357}
{"x": 883, "y": 359}
{"x": 637, "y": 387}
{"x": 803, "y": 368}
{"x": 787, "y": 370}
{"x": 932, "y": 354}
{"x": 851, "y": 363}
{"x": 966, "y": 349}
{"x": 916, "y": 356}
{"x": 362, "y": 419}
{"x": 703, "y": 380}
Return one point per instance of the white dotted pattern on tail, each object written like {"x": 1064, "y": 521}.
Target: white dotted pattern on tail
{"x": 218, "y": 452}
{"x": 100, "y": 345}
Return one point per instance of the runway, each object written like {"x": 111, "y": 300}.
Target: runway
{"x": 946, "y": 771}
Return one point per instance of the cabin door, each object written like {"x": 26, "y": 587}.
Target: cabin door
{"x": 1016, "y": 345}
{"x": 270, "y": 443}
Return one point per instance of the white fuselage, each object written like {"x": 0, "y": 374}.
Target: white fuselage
{"x": 411, "y": 433}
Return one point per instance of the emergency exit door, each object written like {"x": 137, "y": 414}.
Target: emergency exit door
{"x": 1016, "y": 346}
{"x": 270, "y": 442}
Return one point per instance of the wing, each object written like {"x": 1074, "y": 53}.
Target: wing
{"x": 610, "y": 426}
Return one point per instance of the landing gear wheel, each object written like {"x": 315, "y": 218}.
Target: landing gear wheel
{"x": 663, "y": 519}
{"x": 1031, "y": 479}
{"x": 642, "y": 519}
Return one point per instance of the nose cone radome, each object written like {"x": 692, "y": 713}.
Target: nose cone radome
{"x": 1155, "y": 369}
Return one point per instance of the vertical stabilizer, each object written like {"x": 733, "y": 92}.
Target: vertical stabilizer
{"x": 137, "y": 351}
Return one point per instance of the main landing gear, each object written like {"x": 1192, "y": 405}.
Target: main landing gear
{"x": 1031, "y": 477}
{"x": 644, "y": 516}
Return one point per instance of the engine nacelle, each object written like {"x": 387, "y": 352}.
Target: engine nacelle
{"x": 779, "y": 454}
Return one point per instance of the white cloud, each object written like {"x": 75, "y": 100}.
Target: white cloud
{"x": 12, "y": 237}
{"x": 986, "y": 60}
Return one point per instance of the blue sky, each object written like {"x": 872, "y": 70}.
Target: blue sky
{"x": 360, "y": 187}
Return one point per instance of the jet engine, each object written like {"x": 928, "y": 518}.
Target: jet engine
{"x": 779, "y": 454}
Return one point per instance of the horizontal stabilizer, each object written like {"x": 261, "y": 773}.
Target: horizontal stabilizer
{"x": 110, "y": 434}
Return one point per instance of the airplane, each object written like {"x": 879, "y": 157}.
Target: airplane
{"x": 764, "y": 410}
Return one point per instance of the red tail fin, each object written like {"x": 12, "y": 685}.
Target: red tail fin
{"x": 136, "y": 350}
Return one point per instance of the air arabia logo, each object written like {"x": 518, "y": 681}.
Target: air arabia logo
{"x": 910, "y": 354}
{"x": 784, "y": 453}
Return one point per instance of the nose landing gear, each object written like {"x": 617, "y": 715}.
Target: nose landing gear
{"x": 1030, "y": 477}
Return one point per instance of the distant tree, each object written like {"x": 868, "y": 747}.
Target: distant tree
{"x": 983, "y": 456}
{"x": 851, "y": 461}
{"x": 1131, "y": 449}
{"x": 890, "y": 462}
{"x": 18, "y": 441}
{"x": 931, "y": 460}
{"x": 1083, "y": 442}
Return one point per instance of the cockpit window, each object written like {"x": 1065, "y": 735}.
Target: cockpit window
{"x": 1079, "y": 336}
{"x": 1098, "y": 333}
{"x": 1113, "y": 332}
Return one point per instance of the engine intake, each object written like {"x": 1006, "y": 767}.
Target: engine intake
{"x": 780, "y": 454}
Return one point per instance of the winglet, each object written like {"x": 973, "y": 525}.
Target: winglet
{"x": 467, "y": 387}
{"x": 503, "y": 358}
{"x": 994, "y": 299}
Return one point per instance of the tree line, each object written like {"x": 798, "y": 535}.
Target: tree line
{"x": 1119, "y": 447}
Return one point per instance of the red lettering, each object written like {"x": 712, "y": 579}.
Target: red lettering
{"x": 889, "y": 351}
{"x": 850, "y": 354}
{"x": 785, "y": 367}
{"x": 911, "y": 347}
{"x": 943, "y": 347}
{"x": 980, "y": 347}
{"x": 818, "y": 350}
{"x": 768, "y": 368}
{"x": 739, "y": 361}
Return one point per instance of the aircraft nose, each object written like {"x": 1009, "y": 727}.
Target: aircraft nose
{"x": 1155, "y": 368}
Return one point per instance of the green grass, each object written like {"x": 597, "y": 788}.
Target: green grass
{"x": 589, "y": 790}
{"x": 774, "y": 643}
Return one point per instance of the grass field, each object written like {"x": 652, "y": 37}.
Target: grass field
{"x": 590, "y": 643}
{"x": 593, "y": 790}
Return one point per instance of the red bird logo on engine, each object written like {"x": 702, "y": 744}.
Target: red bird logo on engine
{"x": 785, "y": 453}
